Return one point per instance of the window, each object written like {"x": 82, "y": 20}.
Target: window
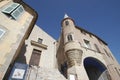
{"x": 35, "y": 57}
{"x": 14, "y": 10}
{"x": 40, "y": 40}
{"x": 97, "y": 48}
{"x": 66, "y": 23}
{"x": 2, "y": 32}
{"x": 69, "y": 37}
{"x": 87, "y": 44}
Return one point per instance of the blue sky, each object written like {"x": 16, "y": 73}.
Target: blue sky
{"x": 101, "y": 17}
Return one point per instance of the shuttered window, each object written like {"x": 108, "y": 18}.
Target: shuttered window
{"x": 10, "y": 8}
{"x": 15, "y": 10}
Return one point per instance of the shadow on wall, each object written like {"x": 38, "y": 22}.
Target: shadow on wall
{"x": 21, "y": 57}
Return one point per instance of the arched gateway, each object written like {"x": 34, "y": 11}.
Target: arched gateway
{"x": 95, "y": 69}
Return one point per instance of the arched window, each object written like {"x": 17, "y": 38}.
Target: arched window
{"x": 69, "y": 37}
{"x": 66, "y": 23}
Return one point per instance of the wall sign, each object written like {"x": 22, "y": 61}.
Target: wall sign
{"x": 18, "y": 72}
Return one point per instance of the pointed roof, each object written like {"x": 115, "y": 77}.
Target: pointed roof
{"x": 66, "y": 16}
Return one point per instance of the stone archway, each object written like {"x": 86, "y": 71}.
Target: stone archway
{"x": 94, "y": 68}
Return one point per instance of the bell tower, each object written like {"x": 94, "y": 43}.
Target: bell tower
{"x": 72, "y": 49}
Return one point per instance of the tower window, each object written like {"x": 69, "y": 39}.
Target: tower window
{"x": 66, "y": 23}
{"x": 40, "y": 40}
{"x": 87, "y": 43}
{"x": 69, "y": 37}
{"x": 2, "y": 32}
{"x": 14, "y": 10}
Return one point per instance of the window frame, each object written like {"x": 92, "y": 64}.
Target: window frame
{"x": 20, "y": 13}
{"x": 87, "y": 44}
{"x": 3, "y": 32}
{"x": 70, "y": 37}
{"x": 40, "y": 40}
{"x": 66, "y": 23}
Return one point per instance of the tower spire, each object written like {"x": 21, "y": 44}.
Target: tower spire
{"x": 66, "y": 16}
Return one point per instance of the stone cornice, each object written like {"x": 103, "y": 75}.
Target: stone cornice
{"x": 38, "y": 44}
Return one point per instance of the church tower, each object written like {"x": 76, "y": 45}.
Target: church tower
{"x": 84, "y": 56}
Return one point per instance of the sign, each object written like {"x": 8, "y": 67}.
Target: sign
{"x": 18, "y": 72}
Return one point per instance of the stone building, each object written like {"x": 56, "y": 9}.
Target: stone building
{"x": 39, "y": 52}
{"x": 82, "y": 55}
{"x": 16, "y": 22}
{"x": 29, "y": 53}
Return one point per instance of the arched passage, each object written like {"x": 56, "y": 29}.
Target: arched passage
{"x": 94, "y": 68}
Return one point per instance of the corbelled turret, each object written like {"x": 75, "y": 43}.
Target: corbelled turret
{"x": 71, "y": 46}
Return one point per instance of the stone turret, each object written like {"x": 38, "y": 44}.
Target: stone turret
{"x": 71, "y": 46}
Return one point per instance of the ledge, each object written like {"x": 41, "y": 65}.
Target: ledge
{"x": 38, "y": 44}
